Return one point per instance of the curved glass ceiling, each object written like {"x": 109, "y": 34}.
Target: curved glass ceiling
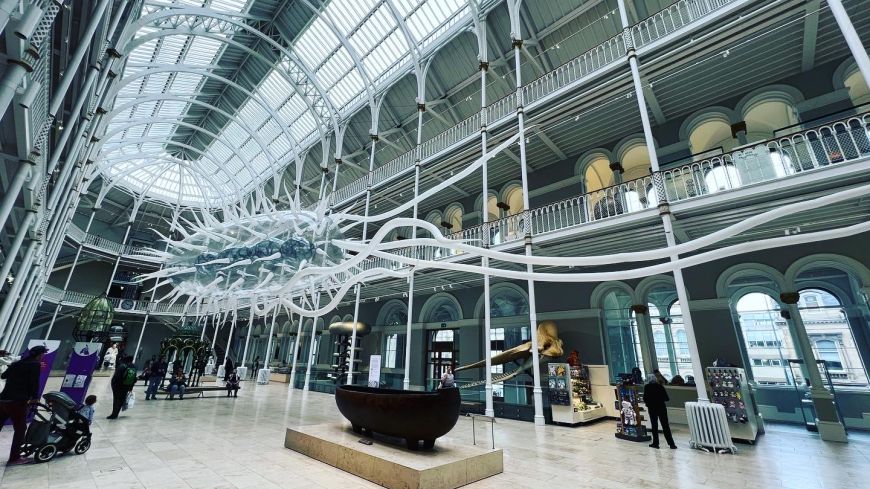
{"x": 350, "y": 47}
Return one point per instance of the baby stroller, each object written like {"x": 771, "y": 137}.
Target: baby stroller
{"x": 56, "y": 428}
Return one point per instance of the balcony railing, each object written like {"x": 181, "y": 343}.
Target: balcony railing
{"x": 775, "y": 159}
{"x": 587, "y": 65}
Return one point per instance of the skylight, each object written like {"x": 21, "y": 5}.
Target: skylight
{"x": 349, "y": 44}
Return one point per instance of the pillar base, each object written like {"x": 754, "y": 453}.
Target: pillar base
{"x": 539, "y": 420}
{"x": 832, "y": 431}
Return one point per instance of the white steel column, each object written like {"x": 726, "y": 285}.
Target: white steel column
{"x": 118, "y": 259}
{"x": 230, "y": 336}
{"x": 664, "y": 208}
{"x": 14, "y": 188}
{"x": 7, "y": 8}
{"x": 421, "y": 107}
{"x": 248, "y": 337}
{"x": 852, "y": 39}
{"x": 527, "y": 226}
{"x": 12, "y": 252}
{"x": 489, "y": 410}
{"x": 71, "y": 270}
{"x": 15, "y": 291}
{"x": 271, "y": 334}
{"x": 311, "y": 343}
{"x": 141, "y": 334}
{"x": 295, "y": 351}
{"x": 374, "y": 136}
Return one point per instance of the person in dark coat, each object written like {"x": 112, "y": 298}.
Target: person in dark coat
{"x": 655, "y": 396}
{"x": 120, "y": 389}
{"x": 256, "y": 367}
{"x": 229, "y": 367}
{"x": 21, "y": 390}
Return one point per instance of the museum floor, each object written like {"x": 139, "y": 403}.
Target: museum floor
{"x": 238, "y": 443}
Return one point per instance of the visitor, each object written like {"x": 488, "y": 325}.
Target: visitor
{"x": 177, "y": 385}
{"x": 21, "y": 390}
{"x": 233, "y": 384}
{"x": 87, "y": 411}
{"x": 229, "y": 367}
{"x": 155, "y": 376}
{"x": 447, "y": 380}
{"x": 110, "y": 357}
{"x": 256, "y": 367}
{"x": 122, "y": 384}
{"x": 655, "y": 396}
{"x": 659, "y": 377}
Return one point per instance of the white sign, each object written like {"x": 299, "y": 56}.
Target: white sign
{"x": 375, "y": 371}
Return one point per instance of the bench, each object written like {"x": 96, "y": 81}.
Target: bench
{"x": 198, "y": 390}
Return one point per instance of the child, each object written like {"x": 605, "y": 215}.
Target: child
{"x": 88, "y": 409}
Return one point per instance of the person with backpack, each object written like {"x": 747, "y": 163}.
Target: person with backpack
{"x": 122, "y": 383}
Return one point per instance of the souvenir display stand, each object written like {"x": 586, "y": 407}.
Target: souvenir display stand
{"x": 630, "y": 425}
{"x": 571, "y": 395}
{"x": 729, "y": 387}
{"x": 602, "y": 389}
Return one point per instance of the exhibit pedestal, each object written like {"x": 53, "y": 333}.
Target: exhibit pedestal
{"x": 448, "y": 465}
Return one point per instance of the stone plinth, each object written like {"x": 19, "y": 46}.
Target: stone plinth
{"x": 448, "y": 465}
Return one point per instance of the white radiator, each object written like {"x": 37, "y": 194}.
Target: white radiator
{"x": 708, "y": 427}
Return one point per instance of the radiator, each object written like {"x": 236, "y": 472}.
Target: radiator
{"x": 708, "y": 427}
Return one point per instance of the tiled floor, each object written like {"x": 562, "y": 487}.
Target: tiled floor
{"x": 237, "y": 443}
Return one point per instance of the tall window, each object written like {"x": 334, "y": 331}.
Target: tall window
{"x": 671, "y": 344}
{"x": 496, "y": 343}
{"x": 390, "y": 348}
{"x": 767, "y": 339}
{"x": 831, "y": 336}
{"x": 622, "y": 338}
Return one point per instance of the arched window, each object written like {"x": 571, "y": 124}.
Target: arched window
{"x": 598, "y": 173}
{"x": 635, "y": 162}
{"x": 830, "y": 334}
{"x": 858, "y": 90}
{"x": 711, "y": 134}
{"x": 766, "y": 116}
{"x": 767, "y": 339}
{"x": 661, "y": 346}
{"x": 492, "y": 208}
{"x": 623, "y": 344}
{"x": 454, "y": 217}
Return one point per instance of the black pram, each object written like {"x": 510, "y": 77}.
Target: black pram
{"x": 57, "y": 427}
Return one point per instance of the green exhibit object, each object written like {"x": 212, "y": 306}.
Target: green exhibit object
{"x": 94, "y": 320}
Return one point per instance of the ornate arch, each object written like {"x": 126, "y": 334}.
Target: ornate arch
{"x": 850, "y": 266}
{"x": 441, "y": 307}
{"x": 506, "y": 300}
{"x": 393, "y": 312}
{"x": 743, "y": 269}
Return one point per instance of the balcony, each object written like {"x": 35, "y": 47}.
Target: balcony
{"x": 662, "y": 28}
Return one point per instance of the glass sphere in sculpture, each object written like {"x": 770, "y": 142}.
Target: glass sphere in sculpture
{"x": 254, "y": 254}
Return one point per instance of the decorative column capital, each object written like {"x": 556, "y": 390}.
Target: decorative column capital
{"x": 617, "y": 166}
{"x": 640, "y": 308}
{"x": 483, "y": 66}
{"x": 517, "y": 43}
{"x": 789, "y": 297}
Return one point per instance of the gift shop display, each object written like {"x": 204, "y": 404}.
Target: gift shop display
{"x": 630, "y": 425}
{"x": 571, "y": 394}
{"x": 729, "y": 387}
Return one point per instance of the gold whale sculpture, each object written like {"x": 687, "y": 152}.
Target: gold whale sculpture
{"x": 549, "y": 348}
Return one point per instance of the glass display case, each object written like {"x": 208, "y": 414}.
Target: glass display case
{"x": 570, "y": 393}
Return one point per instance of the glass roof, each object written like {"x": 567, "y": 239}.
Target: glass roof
{"x": 163, "y": 80}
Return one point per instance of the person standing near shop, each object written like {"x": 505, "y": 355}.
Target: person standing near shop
{"x": 229, "y": 366}
{"x": 122, "y": 383}
{"x": 21, "y": 390}
{"x": 655, "y": 397}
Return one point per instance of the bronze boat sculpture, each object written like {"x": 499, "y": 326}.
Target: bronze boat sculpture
{"x": 414, "y": 416}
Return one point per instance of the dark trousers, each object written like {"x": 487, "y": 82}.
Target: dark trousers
{"x": 656, "y": 416}
{"x": 119, "y": 396}
{"x": 232, "y": 389}
{"x": 17, "y": 412}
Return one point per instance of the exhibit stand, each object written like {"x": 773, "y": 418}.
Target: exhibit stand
{"x": 570, "y": 391}
{"x": 602, "y": 389}
{"x": 730, "y": 388}
{"x": 630, "y": 425}
{"x": 242, "y": 372}
{"x": 264, "y": 375}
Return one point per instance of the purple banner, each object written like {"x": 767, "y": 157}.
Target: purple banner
{"x": 47, "y": 360}
{"x": 82, "y": 362}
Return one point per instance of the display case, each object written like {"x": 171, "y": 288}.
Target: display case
{"x": 630, "y": 425}
{"x": 730, "y": 388}
{"x": 570, "y": 392}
